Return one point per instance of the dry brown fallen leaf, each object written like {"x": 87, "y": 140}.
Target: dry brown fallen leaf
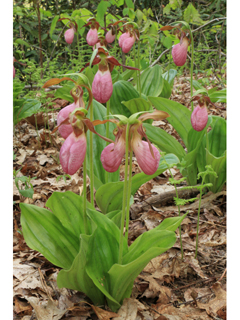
{"x": 104, "y": 314}
{"x": 217, "y": 306}
{"x": 46, "y": 310}
{"x": 128, "y": 310}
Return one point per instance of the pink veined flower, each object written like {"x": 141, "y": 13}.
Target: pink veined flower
{"x": 102, "y": 86}
{"x": 199, "y": 118}
{"x": 127, "y": 44}
{"x": 65, "y": 129}
{"x": 92, "y": 37}
{"x": 69, "y": 35}
{"x": 73, "y": 152}
{"x": 110, "y": 37}
{"x": 122, "y": 38}
{"x": 179, "y": 52}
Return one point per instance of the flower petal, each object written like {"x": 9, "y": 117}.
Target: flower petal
{"x": 69, "y": 36}
{"x": 147, "y": 163}
{"x": 127, "y": 44}
{"x": 179, "y": 53}
{"x": 102, "y": 86}
{"x": 123, "y": 36}
{"x": 112, "y": 155}
{"x": 72, "y": 153}
{"x": 66, "y": 129}
{"x": 92, "y": 37}
{"x": 199, "y": 118}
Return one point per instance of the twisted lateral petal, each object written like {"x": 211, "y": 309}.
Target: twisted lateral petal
{"x": 72, "y": 153}
{"x": 123, "y": 37}
{"x": 127, "y": 44}
{"x": 69, "y": 36}
{"x": 66, "y": 129}
{"x": 112, "y": 155}
{"x": 199, "y": 118}
{"x": 110, "y": 37}
{"x": 92, "y": 37}
{"x": 147, "y": 163}
{"x": 179, "y": 53}
{"x": 102, "y": 87}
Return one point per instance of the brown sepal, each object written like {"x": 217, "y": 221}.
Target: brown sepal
{"x": 90, "y": 126}
{"x": 167, "y": 28}
{"x": 55, "y": 81}
{"x": 66, "y": 121}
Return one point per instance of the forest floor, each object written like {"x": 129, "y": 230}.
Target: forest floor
{"x": 169, "y": 287}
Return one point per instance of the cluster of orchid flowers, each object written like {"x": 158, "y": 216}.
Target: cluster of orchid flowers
{"x": 73, "y": 124}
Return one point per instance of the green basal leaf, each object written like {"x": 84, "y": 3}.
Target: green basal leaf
{"x": 180, "y": 116}
{"x": 169, "y": 76}
{"x": 137, "y": 105}
{"x": 28, "y": 193}
{"x": 122, "y": 91}
{"x": 197, "y": 85}
{"x": 76, "y": 278}
{"x": 43, "y": 232}
{"x": 64, "y": 92}
{"x": 109, "y": 196}
{"x": 115, "y": 216}
{"x": 68, "y": 208}
{"x": 152, "y": 81}
{"x": 218, "y": 96}
{"x": 29, "y": 107}
{"x": 53, "y": 25}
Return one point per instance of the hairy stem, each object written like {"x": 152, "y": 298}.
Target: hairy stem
{"x": 128, "y": 195}
{"x": 91, "y": 158}
{"x": 191, "y": 80}
{"x": 85, "y": 196}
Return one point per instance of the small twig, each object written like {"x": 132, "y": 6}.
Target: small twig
{"x": 222, "y": 275}
{"x": 198, "y": 281}
{"x": 209, "y": 222}
{"x": 209, "y": 22}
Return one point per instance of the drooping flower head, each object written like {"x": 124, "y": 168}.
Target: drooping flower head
{"x": 129, "y": 36}
{"x": 102, "y": 86}
{"x": 179, "y": 51}
{"x": 199, "y": 116}
{"x": 92, "y": 35}
{"x": 69, "y": 33}
{"x": 111, "y": 34}
{"x": 147, "y": 154}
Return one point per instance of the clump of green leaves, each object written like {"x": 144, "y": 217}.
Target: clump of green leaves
{"x": 26, "y": 188}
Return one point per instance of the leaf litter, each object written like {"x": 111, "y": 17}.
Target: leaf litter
{"x": 168, "y": 288}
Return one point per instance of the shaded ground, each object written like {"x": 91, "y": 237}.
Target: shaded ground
{"x": 169, "y": 287}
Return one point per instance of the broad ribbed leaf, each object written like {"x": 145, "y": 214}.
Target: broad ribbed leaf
{"x": 152, "y": 81}
{"x": 68, "y": 208}
{"x": 109, "y": 196}
{"x": 122, "y": 91}
{"x": 76, "y": 278}
{"x": 99, "y": 113}
{"x": 219, "y": 166}
{"x": 29, "y": 107}
{"x": 180, "y": 116}
{"x": 43, "y": 232}
{"x": 122, "y": 289}
{"x": 219, "y": 96}
{"x": 137, "y": 105}
{"x": 169, "y": 76}
{"x": 164, "y": 141}
{"x": 166, "y": 90}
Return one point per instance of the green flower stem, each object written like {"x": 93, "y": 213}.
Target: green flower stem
{"x": 79, "y": 56}
{"x": 139, "y": 81}
{"x": 191, "y": 80}
{"x": 199, "y": 207}
{"x": 91, "y": 159}
{"x": 179, "y": 212}
{"x": 107, "y": 133}
{"x": 136, "y": 65}
{"x": 85, "y": 195}
{"x": 125, "y": 189}
{"x": 128, "y": 194}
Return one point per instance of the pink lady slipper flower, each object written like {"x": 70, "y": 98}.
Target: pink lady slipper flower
{"x": 110, "y": 35}
{"x": 199, "y": 118}
{"x": 92, "y": 35}
{"x": 69, "y": 35}
{"x": 102, "y": 86}
{"x": 179, "y": 52}
{"x": 147, "y": 154}
{"x": 122, "y": 38}
{"x": 128, "y": 43}
{"x": 128, "y": 38}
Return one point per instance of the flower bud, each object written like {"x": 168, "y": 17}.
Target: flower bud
{"x": 199, "y": 118}
{"x": 147, "y": 163}
{"x": 110, "y": 37}
{"x": 127, "y": 44}
{"x": 102, "y": 87}
{"x": 179, "y": 52}
{"x": 123, "y": 37}
{"x": 65, "y": 129}
{"x": 72, "y": 153}
{"x": 69, "y": 35}
{"x": 92, "y": 37}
